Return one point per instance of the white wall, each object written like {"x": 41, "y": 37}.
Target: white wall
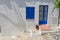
{"x": 52, "y": 17}
{"x": 9, "y": 20}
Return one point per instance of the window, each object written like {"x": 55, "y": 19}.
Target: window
{"x": 30, "y": 12}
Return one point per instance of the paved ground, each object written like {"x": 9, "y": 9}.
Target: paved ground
{"x": 25, "y": 36}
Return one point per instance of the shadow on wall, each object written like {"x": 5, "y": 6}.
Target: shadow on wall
{"x": 9, "y": 5}
{"x": 20, "y": 3}
{"x": 8, "y": 2}
{"x": 10, "y": 9}
{"x": 40, "y": 0}
{"x": 9, "y": 23}
{"x": 4, "y": 16}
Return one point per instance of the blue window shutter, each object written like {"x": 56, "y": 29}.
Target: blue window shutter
{"x": 30, "y": 11}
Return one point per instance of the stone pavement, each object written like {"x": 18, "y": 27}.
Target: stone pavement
{"x": 25, "y": 36}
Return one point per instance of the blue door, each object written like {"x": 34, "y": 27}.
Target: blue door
{"x": 43, "y": 14}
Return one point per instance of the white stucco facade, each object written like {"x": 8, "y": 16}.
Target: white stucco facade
{"x": 13, "y": 20}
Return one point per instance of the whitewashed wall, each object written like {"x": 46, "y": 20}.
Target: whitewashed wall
{"x": 10, "y": 19}
{"x": 53, "y": 17}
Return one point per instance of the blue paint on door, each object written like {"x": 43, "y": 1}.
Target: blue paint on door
{"x": 43, "y": 14}
{"x": 30, "y": 12}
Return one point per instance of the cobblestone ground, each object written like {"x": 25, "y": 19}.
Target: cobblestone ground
{"x": 28, "y": 37}
{"x": 24, "y": 36}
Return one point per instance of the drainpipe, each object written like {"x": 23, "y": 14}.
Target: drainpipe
{"x": 59, "y": 17}
{"x": 59, "y": 14}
